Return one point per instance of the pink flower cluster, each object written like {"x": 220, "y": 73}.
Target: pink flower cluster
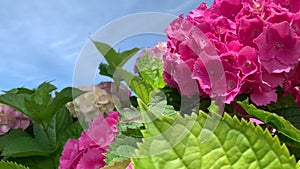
{"x": 236, "y": 47}
{"x": 87, "y": 151}
{"x": 10, "y": 118}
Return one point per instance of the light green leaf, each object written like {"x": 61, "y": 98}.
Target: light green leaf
{"x": 190, "y": 143}
{"x": 121, "y": 149}
{"x": 298, "y": 165}
{"x": 113, "y": 58}
{"x": 158, "y": 104}
{"x": 278, "y": 122}
{"x": 151, "y": 69}
{"x": 11, "y": 165}
{"x": 140, "y": 87}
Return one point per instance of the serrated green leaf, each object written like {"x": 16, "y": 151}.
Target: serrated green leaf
{"x": 140, "y": 87}
{"x": 13, "y": 145}
{"x": 11, "y": 165}
{"x": 119, "y": 165}
{"x": 151, "y": 69}
{"x": 121, "y": 149}
{"x": 278, "y": 122}
{"x": 187, "y": 142}
{"x": 158, "y": 104}
{"x": 130, "y": 122}
{"x": 35, "y": 162}
{"x": 113, "y": 58}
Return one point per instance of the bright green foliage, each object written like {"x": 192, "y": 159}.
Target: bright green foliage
{"x": 113, "y": 58}
{"x": 121, "y": 149}
{"x": 151, "y": 70}
{"x": 298, "y": 165}
{"x": 158, "y": 104}
{"x": 183, "y": 143}
{"x": 278, "y": 122}
{"x": 11, "y": 165}
{"x": 136, "y": 83}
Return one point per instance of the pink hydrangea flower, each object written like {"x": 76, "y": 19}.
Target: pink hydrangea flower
{"x": 275, "y": 44}
{"x": 88, "y": 150}
{"x": 10, "y": 118}
{"x": 257, "y": 43}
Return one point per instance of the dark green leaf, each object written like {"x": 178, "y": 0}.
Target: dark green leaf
{"x": 19, "y": 144}
{"x": 291, "y": 114}
{"x": 59, "y": 101}
{"x": 105, "y": 70}
{"x": 58, "y": 125}
{"x": 35, "y": 162}
{"x": 73, "y": 131}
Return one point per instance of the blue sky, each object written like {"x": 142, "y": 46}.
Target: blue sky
{"x": 42, "y": 40}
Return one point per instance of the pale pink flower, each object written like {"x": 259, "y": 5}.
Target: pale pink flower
{"x": 10, "y": 118}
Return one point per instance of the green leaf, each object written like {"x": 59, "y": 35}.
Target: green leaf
{"x": 105, "y": 70}
{"x": 140, "y": 87}
{"x": 11, "y": 165}
{"x": 16, "y": 101}
{"x": 151, "y": 69}
{"x": 59, "y": 101}
{"x": 58, "y": 125}
{"x": 282, "y": 100}
{"x": 72, "y": 132}
{"x": 158, "y": 104}
{"x": 278, "y": 122}
{"x": 119, "y": 165}
{"x": 113, "y": 58}
{"x": 19, "y": 144}
{"x": 193, "y": 142}
{"x": 35, "y": 162}
{"x": 291, "y": 114}
{"x": 121, "y": 149}
{"x": 298, "y": 165}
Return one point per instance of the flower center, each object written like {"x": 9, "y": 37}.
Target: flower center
{"x": 278, "y": 46}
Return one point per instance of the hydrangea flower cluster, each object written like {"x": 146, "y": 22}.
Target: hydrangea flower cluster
{"x": 251, "y": 45}
{"x": 87, "y": 151}
{"x": 10, "y": 118}
{"x": 97, "y": 99}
